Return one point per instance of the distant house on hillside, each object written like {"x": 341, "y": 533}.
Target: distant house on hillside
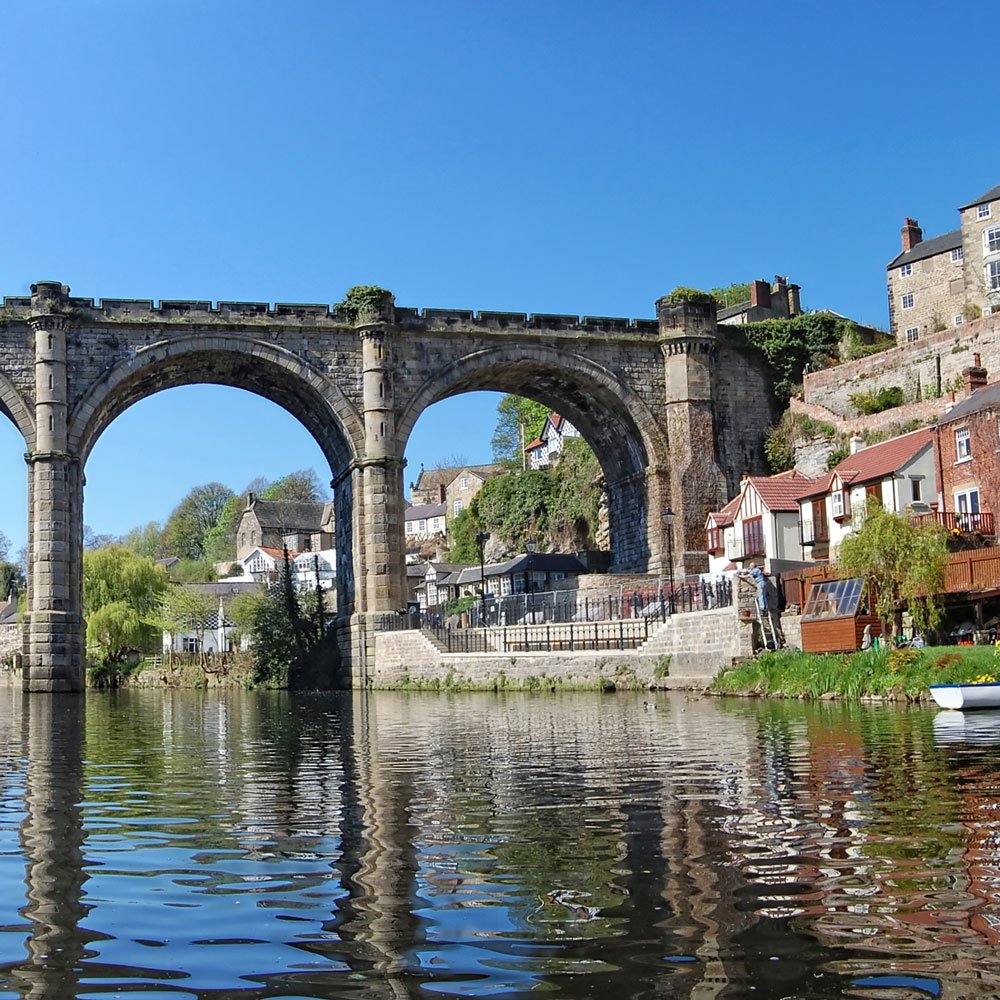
{"x": 767, "y": 301}
{"x": 264, "y": 564}
{"x": 940, "y": 282}
{"x": 453, "y": 487}
{"x": 303, "y": 527}
{"x": 545, "y": 450}
{"x": 424, "y": 521}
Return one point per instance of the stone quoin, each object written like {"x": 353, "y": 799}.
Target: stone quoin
{"x": 675, "y": 409}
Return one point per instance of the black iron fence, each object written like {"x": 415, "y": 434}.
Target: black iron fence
{"x": 645, "y": 604}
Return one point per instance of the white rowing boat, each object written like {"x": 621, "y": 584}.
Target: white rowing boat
{"x": 966, "y": 696}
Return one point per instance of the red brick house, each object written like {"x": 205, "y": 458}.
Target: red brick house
{"x": 967, "y": 449}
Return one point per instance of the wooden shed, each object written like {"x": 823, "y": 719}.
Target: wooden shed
{"x": 835, "y": 615}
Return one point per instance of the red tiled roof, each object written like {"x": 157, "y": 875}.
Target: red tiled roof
{"x": 781, "y": 492}
{"x": 727, "y": 514}
{"x": 537, "y": 443}
{"x": 817, "y": 487}
{"x": 881, "y": 460}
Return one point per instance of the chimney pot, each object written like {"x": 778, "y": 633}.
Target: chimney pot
{"x": 912, "y": 234}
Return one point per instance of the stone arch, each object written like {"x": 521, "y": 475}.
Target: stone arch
{"x": 20, "y": 413}
{"x": 616, "y": 422}
{"x": 241, "y": 362}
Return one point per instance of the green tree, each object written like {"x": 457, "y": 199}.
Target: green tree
{"x": 515, "y": 508}
{"x": 904, "y": 561}
{"x": 185, "y": 532}
{"x": 462, "y": 544}
{"x": 733, "y": 294}
{"x": 303, "y": 486}
{"x": 11, "y": 580}
{"x": 121, "y": 592}
{"x": 4, "y": 546}
{"x": 574, "y": 504}
{"x": 144, "y": 540}
{"x": 519, "y": 421}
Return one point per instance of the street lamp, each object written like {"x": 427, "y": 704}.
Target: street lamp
{"x": 482, "y": 537}
{"x": 668, "y": 521}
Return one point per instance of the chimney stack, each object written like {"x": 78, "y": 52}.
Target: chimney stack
{"x": 912, "y": 234}
{"x": 794, "y": 305}
{"x": 857, "y": 443}
{"x": 760, "y": 294}
{"x": 973, "y": 378}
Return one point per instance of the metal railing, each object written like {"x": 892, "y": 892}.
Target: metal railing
{"x": 647, "y": 604}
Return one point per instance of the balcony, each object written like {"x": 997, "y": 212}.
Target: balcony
{"x": 979, "y": 523}
{"x": 814, "y": 532}
{"x": 738, "y": 549}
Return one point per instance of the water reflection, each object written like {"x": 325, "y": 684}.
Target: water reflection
{"x": 175, "y": 844}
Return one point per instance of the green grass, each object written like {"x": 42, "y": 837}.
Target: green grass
{"x": 903, "y": 674}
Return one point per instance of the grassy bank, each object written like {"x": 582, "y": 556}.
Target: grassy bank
{"x": 897, "y": 674}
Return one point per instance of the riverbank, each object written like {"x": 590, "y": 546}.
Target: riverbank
{"x": 875, "y": 674}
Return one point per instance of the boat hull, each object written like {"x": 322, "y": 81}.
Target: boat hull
{"x": 966, "y": 696}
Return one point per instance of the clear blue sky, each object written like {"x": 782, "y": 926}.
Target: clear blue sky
{"x": 569, "y": 157}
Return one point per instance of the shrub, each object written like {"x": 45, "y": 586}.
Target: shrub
{"x": 877, "y": 400}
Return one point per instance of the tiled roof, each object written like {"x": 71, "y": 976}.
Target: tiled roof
{"x": 928, "y": 248}
{"x": 537, "y": 443}
{"x": 817, "y": 488}
{"x": 728, "y": 513}
{"x": 881, "y": 460}
{"x": 781, "y": 492}
{"x": 429, "y": 478}
{"x": 992, "y": 195}
{"x": 289, "y": 516}
{"x": 988, "y": 395}
{"x": 425, "y": 510}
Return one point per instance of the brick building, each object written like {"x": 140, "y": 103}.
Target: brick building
{"x": 767, "y": 301}
{"x": 942, "y": 282}
{"x": 966, "y": 442}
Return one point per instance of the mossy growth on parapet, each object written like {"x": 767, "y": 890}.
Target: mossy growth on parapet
{"x": 692, "y": 295}
{"x": 364, "y": 303}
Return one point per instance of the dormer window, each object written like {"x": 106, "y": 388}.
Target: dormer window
{"x": 840, "y": 505}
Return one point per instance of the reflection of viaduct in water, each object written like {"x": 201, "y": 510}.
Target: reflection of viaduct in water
{"x": 675, "y": 409}
{"x": 52, "y": 839}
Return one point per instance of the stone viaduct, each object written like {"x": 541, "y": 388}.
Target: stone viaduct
{"x": 675, "y": 409}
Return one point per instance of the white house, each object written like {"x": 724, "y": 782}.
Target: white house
{"x": 761, "y": 523}
{"x": 263, "y": 564}
{"x": 899, "y": 473}
{"x": 217, "y": 633}
{"x": 425, "y": 520}
{"x": 548, "y": 446}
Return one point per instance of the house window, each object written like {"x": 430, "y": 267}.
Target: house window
{"x": 912, "y": 334}
{"x": 967, "y": 505}
{"x": 422, "y": 525}
{"x": 914, "y": 489}
{"x": 464, "y": 482}
{"x": 993, "y": 275}
{"x": 821, "y": 529}
{"x": 991, "y": 240}
{"x": 983, "y": 211}
{"x": 906, "y": 270}
{"x": 957, "y": 255}
{"x": 963, "y": 445}
{"x": 458, "y": 507}
{"x": 840, "y": 504}
{"x": 715, "y": 540}
{"x": 907, "y": 301}
{"x": 753, "y": 536}
{"x": 190, "y": 644}
{"x": 959, "y": 319}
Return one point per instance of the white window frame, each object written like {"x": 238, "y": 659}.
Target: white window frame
{"x": 959, "y": 319}
{"x": 457, "y": 507}
{"x": 912, "y": 334}
{"x": 906, "y": 301}
{"x": 968, "y": 501}
{"x": 993, "y": 275}
{"x": 957, "y": 255}
{"x": 983, "y": 211}
{"x": 837, "y": 503}
{"x": 463, "y": 483}
{"x": 905, "y": 270}
{"x": 963, "y": 445}
{"x": 991, "y": 240}
{"x": 422, "y": 524}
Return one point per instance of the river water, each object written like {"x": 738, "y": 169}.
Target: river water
{"x": 169, "y": 844}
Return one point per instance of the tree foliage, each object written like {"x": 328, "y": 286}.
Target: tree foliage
{"x": 516, "y": 507}
{"x": 121, "y": 592}
{"x": 192, "y": 519}
{"x": 693, "y": 295}
{"x": 364, "y": 302}
{"x": 905, "y": 562}
{"x": 4, "y": 547}
{"x": 303, "y": 486}
{"x": 732, "y": 295}
{"x": 574, "y": 507}
{"x": 462, "y": 529}
{"x": 513, "y": 414}
{"x": 184, "y": 609}
{"x": 11, "y": 580}
{"x": 144, "y": 540}
{"x": 790, "y": 344}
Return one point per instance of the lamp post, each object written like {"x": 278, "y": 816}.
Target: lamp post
{"x": 668, "y": 521}
{"x": 482, "y": 537}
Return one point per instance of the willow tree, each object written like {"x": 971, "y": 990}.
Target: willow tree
{"x": 904, "y": 560}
